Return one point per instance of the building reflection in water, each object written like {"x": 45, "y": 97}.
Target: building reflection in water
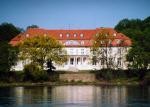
{"x": 89, "y": 96}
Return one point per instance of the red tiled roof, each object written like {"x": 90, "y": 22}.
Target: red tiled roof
{"x": 75, "y": 41}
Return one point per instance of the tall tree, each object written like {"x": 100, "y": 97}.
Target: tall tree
{"x": 102, "y": 48}
{"x": 8, "y": 31}
{"x": 32, "y": 26}
{"x": 40, "y": 49}
{"x": 138, "y": 30}
{"x": 8, "y": 56}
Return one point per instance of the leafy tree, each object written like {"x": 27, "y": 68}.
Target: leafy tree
{"x": 32, "y": 26}
{"x": 102, "y": 48}
{"x": 40, "y": 49}
{"x": 139, "y": 31}
{"x": 8, "y": 56}
{"x": 8, "y": 31}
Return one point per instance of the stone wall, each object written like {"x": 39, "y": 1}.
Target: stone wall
{"x": 83, "y": 77}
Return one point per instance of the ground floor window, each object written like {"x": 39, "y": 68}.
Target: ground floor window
{"x": 78, "y": 60}
{"x": 119, "y": 61}
{"x": 94, "y": 60}
{"x": 71, "y": 61}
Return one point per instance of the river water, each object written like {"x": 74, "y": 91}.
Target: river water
{"x": 75, "y": 96}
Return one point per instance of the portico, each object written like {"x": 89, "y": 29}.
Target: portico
{"x": 76, "y": 60}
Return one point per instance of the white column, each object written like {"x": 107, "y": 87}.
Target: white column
{"x": 69, "y": 61}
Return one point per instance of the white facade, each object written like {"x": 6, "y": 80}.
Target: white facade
{"x": 78, "y": 44}
{"x": 80, "y": 58}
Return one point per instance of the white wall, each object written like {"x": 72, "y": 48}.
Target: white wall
{"x": 84, "y": 52}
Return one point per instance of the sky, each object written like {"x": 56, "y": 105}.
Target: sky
{"x": 71, "y": 14}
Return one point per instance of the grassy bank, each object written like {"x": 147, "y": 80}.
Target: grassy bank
{"x": 103, "y": 77}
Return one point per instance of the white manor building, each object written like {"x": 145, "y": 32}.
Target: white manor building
{"x": 78, "y": 45}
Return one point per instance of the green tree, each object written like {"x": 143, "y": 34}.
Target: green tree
{"x": 102, "y": 48}
{"x": 41, "y": 49}
{"x": 8, "y": 56}
{"x": 8, "y": 31}
{"x": 32, "y": 26}
{"x": 139, "y": 31}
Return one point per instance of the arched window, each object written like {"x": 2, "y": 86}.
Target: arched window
{"x": 75, "y": 35}
{"x": 60, "y": 35}
{"x": 67, "y": 34}
{"x": 81, "y": 35}
{"x": 27, "y": 35}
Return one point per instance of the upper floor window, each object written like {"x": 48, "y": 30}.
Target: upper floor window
{"x": 114, "y": 34}
{"x": 81, "y": 34}
{"x": 82, "y": 42}
{"x": 60, "y": 35}
{"x": 82, "y": 51}
{"x": 45, "y": 35}
{"x": 71, "y": 51}
{"x": 27, "y": 35}
{"x": 75, "y": 35}
{"x": 67, "y": 34}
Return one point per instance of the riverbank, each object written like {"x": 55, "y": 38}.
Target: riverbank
{"x": 60, "y": 83}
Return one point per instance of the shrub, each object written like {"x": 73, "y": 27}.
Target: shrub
{"x": 146, "y": 79}
{"x": 34, "y": 73}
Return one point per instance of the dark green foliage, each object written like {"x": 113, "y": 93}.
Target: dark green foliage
{"x": 8, "y": 31}
{"x": 34, "y": 73}
{"x": 32, "y": 26}
{"x": 8, "y": 56}
{"x": 139, "y": 31}
{"x": 146, "y": 80}
{"x": 109, "y": 74}
{"x": 11, "y": 77}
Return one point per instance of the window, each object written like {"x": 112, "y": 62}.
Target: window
{"x": 82, "y": 42}
{"x": 61, "y": 35}
{"x": 114, "y": 34}
{"x": 84, "y": 59}
{"x": 119, "y": 61}
{"x": 102, "y": 61}
{"x": 27, "y": 35}
{"x": 71, "y": 61}
{"x": 82, "y": 51}
{"x": 94, "y": 60}
{"x": 78, "y": 60}
{"x": 72, "y": 42}
{"x": 71, "y": 51}
{"x": 81, "y": 35}
{"x": 67, "y": 34}
{"x": 75, "y": 35}
{"x": 97, "y": 34}
{"x": 110, "y": 61}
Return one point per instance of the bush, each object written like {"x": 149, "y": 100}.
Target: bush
{"x": 146, "y": 79}
{"x": 34, "y": 73}
{"x": 105, "y": 74}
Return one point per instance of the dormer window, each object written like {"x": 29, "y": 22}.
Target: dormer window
{"x": 114, "y": 34}
{"x": 27, "y": 35}
{"x": 45, "y": 35}
{"x": 60, "y": 35}
{"x": 75, "y": 35}
{"x": 81, "y": 35}
{"x": 67, "y": 34}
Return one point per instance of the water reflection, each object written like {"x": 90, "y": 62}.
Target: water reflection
{"x": 75, "y": 96}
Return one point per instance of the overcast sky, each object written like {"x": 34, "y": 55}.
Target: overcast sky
{"x": 71, "y": 14}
